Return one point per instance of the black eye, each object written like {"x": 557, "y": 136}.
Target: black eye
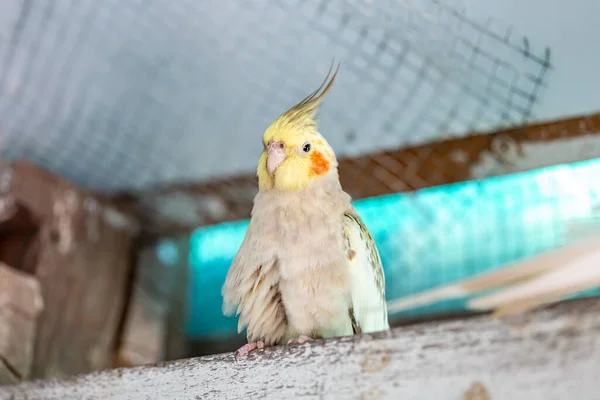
{"x": 306, "y": 147}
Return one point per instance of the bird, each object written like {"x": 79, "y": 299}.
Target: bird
{"x": 524, "y": 285}
{"x": 308, "y": 267}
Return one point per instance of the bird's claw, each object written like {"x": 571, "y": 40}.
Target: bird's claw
{"x": 247, "y": 348}
{"x": 300, "y": 340}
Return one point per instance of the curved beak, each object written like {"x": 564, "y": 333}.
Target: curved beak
{"x": 275, "y": 156}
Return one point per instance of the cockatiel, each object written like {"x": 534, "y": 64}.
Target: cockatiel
{"x": 524, "y": 285}
{"x": 308, "y": 266}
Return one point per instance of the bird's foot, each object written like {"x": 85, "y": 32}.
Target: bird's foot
{"x": 247, "y": 348}
{"x": 300, "y": 340}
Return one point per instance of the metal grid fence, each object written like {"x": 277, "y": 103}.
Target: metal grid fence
{"x": 126, "y": 95}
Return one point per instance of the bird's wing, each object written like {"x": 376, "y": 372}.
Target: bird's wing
{"x": 368, "y": 311}
{"x": 251, "y": 289}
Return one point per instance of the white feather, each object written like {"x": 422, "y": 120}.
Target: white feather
{"x": 368, "y": 302}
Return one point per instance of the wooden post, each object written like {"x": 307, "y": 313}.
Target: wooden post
{"x": 548, "y": 354}
{"x": 155, "y": 318}
{"x": 176, "y": 343}
{"x": 20, "y": 305}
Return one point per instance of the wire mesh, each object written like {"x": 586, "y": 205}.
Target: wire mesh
{"x": 125, "y": 95}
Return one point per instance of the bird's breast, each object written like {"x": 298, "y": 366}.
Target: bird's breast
{"x": 307, "y": 241}
{"x": 305, "y": 227}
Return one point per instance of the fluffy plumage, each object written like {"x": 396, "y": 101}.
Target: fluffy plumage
{"x": 308, "y": 265}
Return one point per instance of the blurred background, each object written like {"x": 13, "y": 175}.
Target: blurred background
{"x": 467, "y": 133}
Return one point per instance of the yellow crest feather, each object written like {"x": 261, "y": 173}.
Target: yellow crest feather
{"x": 303, "y": 114}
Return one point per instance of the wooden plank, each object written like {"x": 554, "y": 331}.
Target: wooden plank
{"x": 20, "y": 305}
{"x": 82, "y": 251}
{"x": 548, "y": 354}
{"x": 84, "y": 292}
{"x": 83, "y": 268}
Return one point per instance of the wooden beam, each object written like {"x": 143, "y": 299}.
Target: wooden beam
{"x": 180, "y": 207}
{"x": 144, "y": 330}
{"x": 548, "y": 354}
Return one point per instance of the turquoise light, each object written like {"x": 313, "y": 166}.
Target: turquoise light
{"x": 429, "y": 237}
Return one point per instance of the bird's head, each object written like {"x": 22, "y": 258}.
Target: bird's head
{"x": 295, "y": 154}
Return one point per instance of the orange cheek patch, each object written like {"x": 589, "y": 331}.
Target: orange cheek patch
{"x": 319, "y": 164}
